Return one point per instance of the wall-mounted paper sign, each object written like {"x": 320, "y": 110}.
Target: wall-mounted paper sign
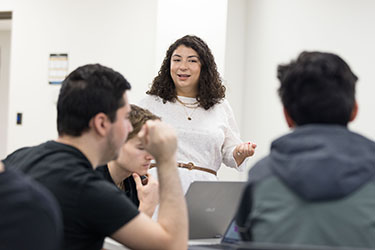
{"x": 58, "y": 68}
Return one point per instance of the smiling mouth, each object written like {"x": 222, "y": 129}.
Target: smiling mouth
{"x": 183, "y": 75}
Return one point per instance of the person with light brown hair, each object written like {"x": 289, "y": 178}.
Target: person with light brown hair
{"x": 132, "y": 164}
{"x": 188, "y": 94}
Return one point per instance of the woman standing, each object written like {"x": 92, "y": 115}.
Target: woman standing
{"x": 188, "y": 94}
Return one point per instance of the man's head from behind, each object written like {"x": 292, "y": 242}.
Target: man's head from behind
{"x": 87, "y": 91}
{"x": 317, "y": 88}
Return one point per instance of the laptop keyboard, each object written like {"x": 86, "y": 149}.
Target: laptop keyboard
{"x": 224, "y": 247}
{"x": 215, "y": 246}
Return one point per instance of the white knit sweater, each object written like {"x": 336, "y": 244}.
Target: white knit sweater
{"x": 207, "y": 140}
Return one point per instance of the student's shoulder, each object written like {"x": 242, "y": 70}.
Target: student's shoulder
{"x": 261, "y": 170}
{"x": 103, "y": 171}
{"x": 29, "y": 205}
{"x": 149, "y": 100}
{"x": 19, "y": 153}
{"x": 22, "y": 191}
{"x": 96, "y": 187}
{"x": 46, "y": 150}
{"x": 112, "y": 207}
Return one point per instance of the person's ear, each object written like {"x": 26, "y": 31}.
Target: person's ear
{"x": 354, "y": 113}
{"x": 99, "y": 123}
{"x": 288, "y": 119}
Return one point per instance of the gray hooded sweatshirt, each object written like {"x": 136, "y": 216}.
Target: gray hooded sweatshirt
{"x": 316, "y": 187}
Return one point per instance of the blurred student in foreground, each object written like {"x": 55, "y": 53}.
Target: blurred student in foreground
{"x": 317, "y": 185}
{"x": 30, "y": 218}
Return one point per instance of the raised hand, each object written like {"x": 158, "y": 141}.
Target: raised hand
{"x": 148, "y": 193}
{"x": 242, "y": 151}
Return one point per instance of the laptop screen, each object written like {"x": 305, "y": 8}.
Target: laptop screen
{"x": 211, "y": 206}
{"x": 232, "y": 235}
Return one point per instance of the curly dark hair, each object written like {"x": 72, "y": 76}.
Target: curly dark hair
{"x": 210, "y": 87}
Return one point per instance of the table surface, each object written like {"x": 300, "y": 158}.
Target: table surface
{"x": 110, "y": 244}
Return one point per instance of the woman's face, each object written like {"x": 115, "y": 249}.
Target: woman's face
{"x": 185, "y": 71}
{"x": 133, "y": 157}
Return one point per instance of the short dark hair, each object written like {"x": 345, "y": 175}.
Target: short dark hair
{"x": 210, "y": 87}
{"x": 317, "y": 87}
{"x": 85, "y": 92}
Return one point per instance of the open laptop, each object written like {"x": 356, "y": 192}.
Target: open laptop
{"x": 211, "y": 207}
{"x": 230, "y": 239}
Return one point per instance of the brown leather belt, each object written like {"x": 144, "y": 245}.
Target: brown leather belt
{"x": 190, "y": 166}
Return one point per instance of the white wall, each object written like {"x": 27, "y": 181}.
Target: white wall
{"x": 249, "y": 38}
{"x": 277, "y": 30}
{"x": 4, "y": 88}
{"x": 96, "y": 31}
{"x": 177, "y": 18}
{"x": 119, "y": 33}
{"x": 234, "y": 71}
